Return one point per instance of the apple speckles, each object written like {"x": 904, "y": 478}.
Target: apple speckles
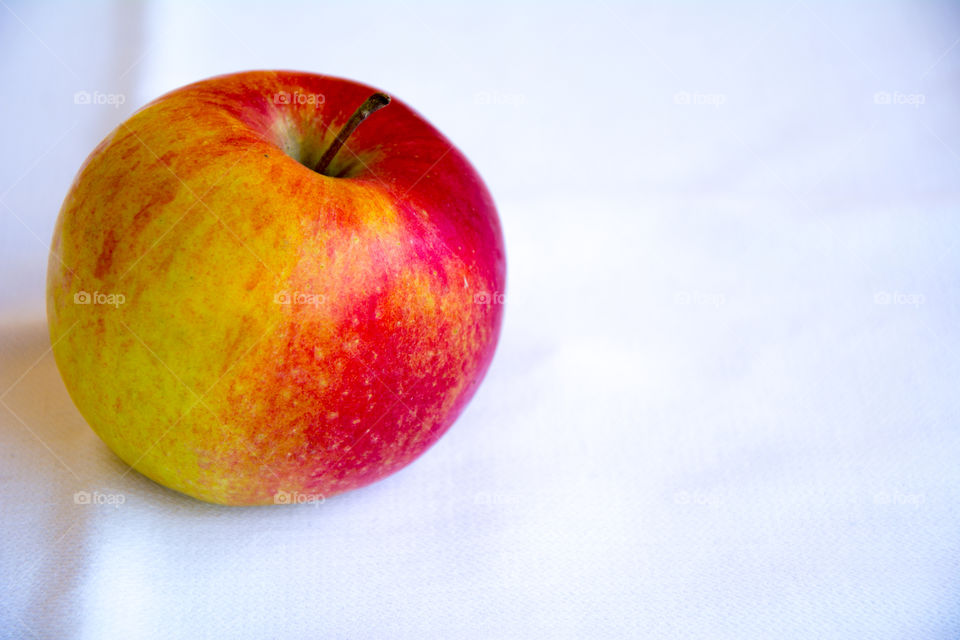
{"x": 332, "y": 415}
{"x": 105, "y": 260}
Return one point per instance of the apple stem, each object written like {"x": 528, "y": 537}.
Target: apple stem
{"x": 371, "y": 104}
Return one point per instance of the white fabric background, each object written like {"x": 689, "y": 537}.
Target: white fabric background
{"x": 724, "y": 402}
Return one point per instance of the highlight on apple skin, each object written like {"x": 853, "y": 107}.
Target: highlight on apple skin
{"x": 238, "y": 326}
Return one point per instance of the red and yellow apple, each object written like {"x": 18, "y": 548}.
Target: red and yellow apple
{"x": 238, "y": 325}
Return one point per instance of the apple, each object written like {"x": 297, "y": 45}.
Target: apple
{"x": 273, "y": 286}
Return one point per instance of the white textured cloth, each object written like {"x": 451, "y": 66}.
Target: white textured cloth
{"x": 724, "y": 403}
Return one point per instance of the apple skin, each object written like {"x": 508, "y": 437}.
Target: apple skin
{"x": 258, "y": 332}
